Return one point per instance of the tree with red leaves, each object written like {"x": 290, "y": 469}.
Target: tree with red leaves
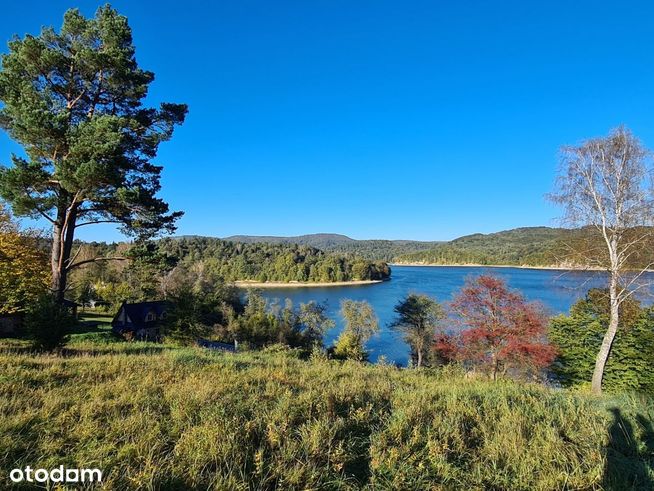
{"x": 446, "y": 348}
{"x": 501, "y": 330}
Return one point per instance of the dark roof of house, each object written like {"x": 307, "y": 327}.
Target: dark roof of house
{"x": 70, "y": 303}
{"x": 137, "y": 312}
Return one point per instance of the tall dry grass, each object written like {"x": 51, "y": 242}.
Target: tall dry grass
{"x": 155, "y": 417}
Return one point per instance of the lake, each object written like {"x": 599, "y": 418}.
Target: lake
{"x": 557, "y": 290}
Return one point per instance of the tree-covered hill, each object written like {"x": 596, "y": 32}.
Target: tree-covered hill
{"x": 319, "y": 241}
{"x": 533, "y": 246}
{"x": 332, "y": 257}
{"x": 264, "y": 261}
{"x": 374, "y": 249}
{"x": 530, "y": 246}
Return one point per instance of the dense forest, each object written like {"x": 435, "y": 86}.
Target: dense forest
{"x": 534, "y": 246}
{"x": 145, "y": 266}
{"x": 282, "y": 260}
{"x": 263, "y": 261}
{"x": 373, "y": 250}
{"x": 149, "y": 271}
{"x": 528, "y": 246}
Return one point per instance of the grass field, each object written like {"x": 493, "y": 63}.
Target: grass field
{"x": 160, "y": 417}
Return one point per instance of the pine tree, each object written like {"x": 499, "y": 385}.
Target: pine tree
{"x": 74, "y": 100}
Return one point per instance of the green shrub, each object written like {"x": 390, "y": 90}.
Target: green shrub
{"x": 578, "y": 338}
{"x": 349, "y": 347}
{"x": 48, "y": 323}
{"x": 361, "y": 323}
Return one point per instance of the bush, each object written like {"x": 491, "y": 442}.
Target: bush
{"x": 200, "y": 306}
{"x": 48, "y": 323}
{"x": 349, "y": 347}
{"x": 361, "y": 324}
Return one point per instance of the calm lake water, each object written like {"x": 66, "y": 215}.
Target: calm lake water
{"x": 557, "y": 290}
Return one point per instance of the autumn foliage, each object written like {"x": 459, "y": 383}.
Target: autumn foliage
{"x": 500, "y": 331}
{"x": 24, "y": 268}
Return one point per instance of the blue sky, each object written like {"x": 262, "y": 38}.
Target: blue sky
{"x": 415, "y": 120}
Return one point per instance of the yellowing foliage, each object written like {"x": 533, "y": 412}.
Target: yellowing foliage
{"x": 24, "y": 271}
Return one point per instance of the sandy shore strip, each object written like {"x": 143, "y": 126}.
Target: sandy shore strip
{"x": 299, "y": 284}
{"x": 552, "y": 268}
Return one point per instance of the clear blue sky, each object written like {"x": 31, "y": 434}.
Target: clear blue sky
{"x": 377, "y": 119}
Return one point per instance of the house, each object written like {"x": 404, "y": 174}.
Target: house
{"x": 141, "y": 320}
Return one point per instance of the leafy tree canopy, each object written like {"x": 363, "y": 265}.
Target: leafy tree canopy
{"x": 24, "y": 273}
{"x": 361, "y": 323}
{"x": 502, "y": 332}
{"x": 418, "y": 318}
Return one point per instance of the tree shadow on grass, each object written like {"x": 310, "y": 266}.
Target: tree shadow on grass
{"x": 629, "y": 460}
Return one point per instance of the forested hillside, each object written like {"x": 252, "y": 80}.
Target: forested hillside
{"x": 533, "y": 246}
{"x": 373, "y": 250}
{"x": 529, "y": 246}
{"x": 332, "y": 257}
{"x": 264, "y": 261}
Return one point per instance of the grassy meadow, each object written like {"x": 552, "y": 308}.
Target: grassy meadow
{"x": 160, "y": 417}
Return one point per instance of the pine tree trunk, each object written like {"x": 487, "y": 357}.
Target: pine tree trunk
{"x": 62, "y": 245}
{"x": 607, "y": 342}
{"x": 419, "y": 357}
{"x": 54, "y": 259}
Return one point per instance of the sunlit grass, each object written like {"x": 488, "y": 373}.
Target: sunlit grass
{"x": 159, "y": 417}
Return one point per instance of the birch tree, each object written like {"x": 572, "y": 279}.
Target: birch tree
{"x": 604, "y": 185}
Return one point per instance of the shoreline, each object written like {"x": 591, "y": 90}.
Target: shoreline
{"x": 298, "y": 284}
{"x": 549, "y": 268}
